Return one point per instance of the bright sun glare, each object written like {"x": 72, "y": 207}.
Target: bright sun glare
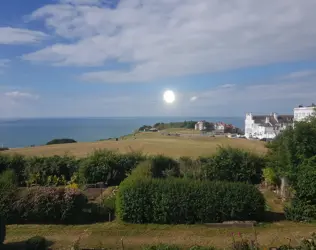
{"x": 169, "y": 96}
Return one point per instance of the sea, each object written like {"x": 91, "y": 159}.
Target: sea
{"x": 16, "y": 133}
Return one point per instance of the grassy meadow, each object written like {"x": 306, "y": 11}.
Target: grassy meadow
{"x": 188, "y": 144}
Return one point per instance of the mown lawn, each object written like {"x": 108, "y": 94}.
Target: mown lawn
{"x": 134, "y": 236}
{"x": 149, "y": 143}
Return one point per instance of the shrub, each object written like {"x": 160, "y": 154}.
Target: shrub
{"x": 60, "y": 141}
{"x": 270, "y": 176}
{"x": 41, "y": 170}
{"x": 163, "y": 166}
{"x": 174, "y": 201}
{"x": 36, "y": 243}
{"x": 50, "y": 205}
{"x": 4, "y": 148}
{"x": 4, "y": 162}
{"x": 235, "y": 165}
{"x": 303, "y": 206}
{"x": 8, "y": 190}
{"x": 107, "y": 166}
{"x": 2, "y": 229}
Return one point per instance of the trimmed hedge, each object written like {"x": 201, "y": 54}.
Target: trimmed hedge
{"x": 50, "y": 205}
{"x": 175, "y": 201}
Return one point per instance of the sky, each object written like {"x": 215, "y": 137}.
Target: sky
{"x": 98, "y": 58}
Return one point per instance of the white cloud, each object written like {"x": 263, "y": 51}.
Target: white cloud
{"x": 10, "y": 35}
{"x": 193, "y": 98}
{"x": 299, "y": 74}
{"x": 4, "y": 62}
{"x": 16, "y": 95}
{"x": 228, "y": 85}
{"x": 177, "y": 37}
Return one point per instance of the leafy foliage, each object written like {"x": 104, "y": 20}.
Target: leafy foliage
{"x": 61, "y": 141}
{"x": 107, "y": 166}
{"x": 292, "y": 147}
{"x": 41, "y": 170}
{"x": 270, "y": 176}
{"x": 173, "y": 201}
{"x": 8, "y": 190}
{"x": 303, "y": 206}
{"x": 231, "y": 164}
{"x": 36, "y": 243}
{"x": 50, "y": 205}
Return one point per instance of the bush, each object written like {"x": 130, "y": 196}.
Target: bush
{"x": 8, "y": 190}
{"x": 41, "y": 170}
{"x": 2, "y": 229}
{"x": 50, "y": 205}
{"x": 36, "y": 243}
{"x": 162, "y": 166}
{"x": 4, "y": 148}
{"x": 60, "y": 141}
{"x": 303, "y": 206}
{"x": 235, "y": 165}
{"x": 174, "y": 201}
{"x": 107, "y": 166}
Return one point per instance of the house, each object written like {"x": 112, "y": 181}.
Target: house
{"x": 301, "y": 112}
{"x": 219, "y": 127}
{"x": 153, "y": 130}
{"x": 266, "y": 126}
{"x": 200, "y": 125}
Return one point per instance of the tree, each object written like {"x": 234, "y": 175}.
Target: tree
{"x": 209, "y": 126}
{"x": 292, "y": 147}
{"x": 60, "y": 141}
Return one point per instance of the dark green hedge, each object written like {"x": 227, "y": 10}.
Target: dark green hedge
{"x": 60, "y": 141}
{"x": 175, "y": 201}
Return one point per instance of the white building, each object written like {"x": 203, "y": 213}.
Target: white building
{"x": 266, "y": 126}
{"x": 301, "y": 113}
{"x": 200, "y": 125}
{"x": 219, "y": 127}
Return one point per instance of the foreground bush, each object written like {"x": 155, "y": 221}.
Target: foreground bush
{"x": 8, "y": 192}
{"x": 235, "y": 165}
{"x": 303, "y": 206}
{"x": 36, "y": 243}
{"x": 50, "y": 205}
{"x": 107, "y": 166}
{"x": 175, "y": 201}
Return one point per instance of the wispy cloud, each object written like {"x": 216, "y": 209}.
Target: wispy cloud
{"x": 300, "y": 74}
{"x": 16, "y": 95}
{"x": 9, "y": 35}
{"x": 193, "y": 98}
{"x": 176, "y": 37}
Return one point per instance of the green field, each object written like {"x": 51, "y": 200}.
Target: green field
{"x": 189, "y": 144}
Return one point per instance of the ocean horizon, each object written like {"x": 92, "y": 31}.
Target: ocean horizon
{"x": 23, "y": 132}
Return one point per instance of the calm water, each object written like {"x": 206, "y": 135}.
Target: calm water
{"x": 26, "y": 132}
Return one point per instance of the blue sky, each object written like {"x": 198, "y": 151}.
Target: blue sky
{"x": 63, "y": 58}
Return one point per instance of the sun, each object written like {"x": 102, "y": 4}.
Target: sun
{"x": 169, "y": 96}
